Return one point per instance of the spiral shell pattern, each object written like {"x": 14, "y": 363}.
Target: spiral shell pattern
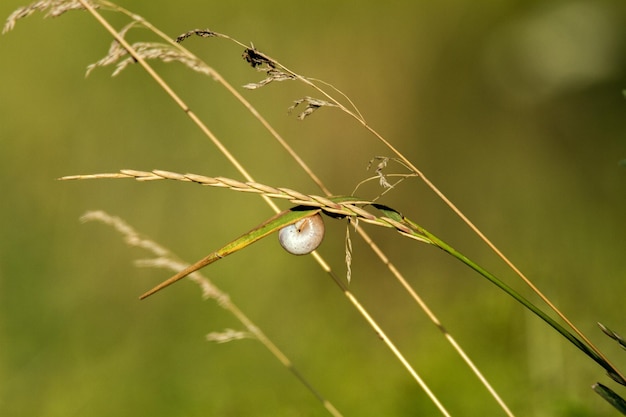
{"x": 302, "y": 237}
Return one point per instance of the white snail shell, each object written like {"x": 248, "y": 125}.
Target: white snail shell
{"x": 302, "y": 237}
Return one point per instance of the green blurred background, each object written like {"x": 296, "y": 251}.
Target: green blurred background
{"x": 514, "y": 109}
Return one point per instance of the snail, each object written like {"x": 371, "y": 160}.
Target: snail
{"x": 302, "y": 237}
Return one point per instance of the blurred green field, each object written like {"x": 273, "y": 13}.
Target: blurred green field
{"x": 514, "y": 109}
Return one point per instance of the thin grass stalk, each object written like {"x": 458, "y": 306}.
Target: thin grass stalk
{"x": 435, "y": 320}
{"x": 287, "y": 363}
{"x": 246, "y": 175}
{"x": 381, "y": 334}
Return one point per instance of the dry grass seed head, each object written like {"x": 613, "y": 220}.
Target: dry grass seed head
{"x": 228, "y": 335}
{"x": 312, "y": 104}
{"x": 203, "y": 33}
{"x": 55, "y": 8}
{"x": 148, "y": 50}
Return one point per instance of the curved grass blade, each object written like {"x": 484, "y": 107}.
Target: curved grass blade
{"x": 268, "y": 227}
{"x": 429, "y": 237}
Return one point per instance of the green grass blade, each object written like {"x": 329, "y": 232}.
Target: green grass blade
{"x": 429, "y": 237}
{"x": 268, "y": 227}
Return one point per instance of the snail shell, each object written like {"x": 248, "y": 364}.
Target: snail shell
{"x": 302, "y": 237}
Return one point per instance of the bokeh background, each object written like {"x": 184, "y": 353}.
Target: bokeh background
{"x": 514, "y": 109}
